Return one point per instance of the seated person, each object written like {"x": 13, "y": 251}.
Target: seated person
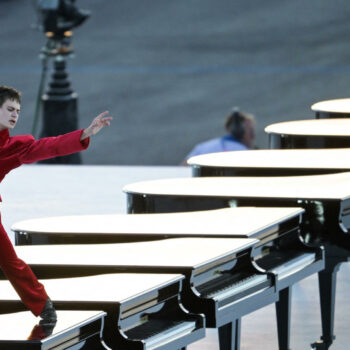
{"x": 240, "y": 136}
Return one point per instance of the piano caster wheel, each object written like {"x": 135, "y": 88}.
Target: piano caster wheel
{"x": 321, "y": 345}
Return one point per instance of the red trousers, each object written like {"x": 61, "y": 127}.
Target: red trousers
{"x": 22, "y": 278}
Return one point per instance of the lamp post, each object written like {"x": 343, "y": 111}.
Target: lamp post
{"x": 60, "y": 106}
{"x": 60, "y": 102}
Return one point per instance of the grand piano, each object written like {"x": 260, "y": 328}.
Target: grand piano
{"x": 137, "y": 307}
{"x": 325, "y": 198}
{"x": 122, "y": 228}
{"x": 314, "y": 133}
{"x": 73, "y": 330}
{"x": 271, "y": 162}
{"x": 337, "y": 108}
{"x": 276, "y": 162}
{"x": 279, "y": 225}
{"x": 221, "y": 281}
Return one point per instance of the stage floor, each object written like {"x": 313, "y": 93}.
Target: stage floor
{"x": 35, "y": 191}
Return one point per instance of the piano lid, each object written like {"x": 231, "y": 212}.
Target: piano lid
{"x": 317, "y": 187}
{"x": 277, "y": 158}
{"x": 110, "y": 288}
{"x": 228, "y": 222}
{"x": 341, "y": 105}
{"x": 185, "y": 253}
{"x": 312, "y": 127}
{"x": 22, "y": 328}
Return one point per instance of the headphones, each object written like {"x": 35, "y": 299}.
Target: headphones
{"x": 236, "y": 124}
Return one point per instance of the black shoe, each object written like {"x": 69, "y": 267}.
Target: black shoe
{"x": 48, "y": 315}
{"x": 41, "y": 332}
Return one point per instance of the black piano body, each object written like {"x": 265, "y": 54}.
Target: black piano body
{"x": 74, "y": 330}
{"x": 271, "y": 162}
{"x": 222, "y": 281}
{"x": 179, "y": 195}
{"x": 281, "y": 240}
{"x": 142, "y": 310}
{"x": 325, "y": 198}
{"x": 223, "y": 223}
{"x": 337, "y": 108}
{"x": 125, "y": 228}
{"x": 296, "y": 162}
{"x": 323, "y": 133}
{"x": 310, "y": 134}
{"x": 330, "y": 192}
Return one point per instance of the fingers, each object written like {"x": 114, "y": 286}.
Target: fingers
{"x": 100, "y": 121}
{"x": 101, "y": 115}
{"x": 106, "y": 121}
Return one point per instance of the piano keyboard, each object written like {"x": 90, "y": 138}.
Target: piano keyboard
{"x": 234, "y": 287}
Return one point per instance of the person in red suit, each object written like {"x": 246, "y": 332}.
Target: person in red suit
{"x": 24, "y": 149}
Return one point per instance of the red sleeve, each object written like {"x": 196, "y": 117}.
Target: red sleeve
{"x": 50, "y": 147}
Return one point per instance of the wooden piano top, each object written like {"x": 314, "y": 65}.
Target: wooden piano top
{"x": 334, "y": 186}
{"x": 109, "y": 288}
{"x": 18, "y": 326}
{"x": 277, "y": 158}
{"x": 170, "y": 253}
{"x": 341, "y": 105}
{"x": 312, "y": 127}
{"x": 229, "y": 222}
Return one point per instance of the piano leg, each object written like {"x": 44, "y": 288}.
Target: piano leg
{"x": 230, "y": 336}
{"x": 283, "y": 318}
{"x": 327, "y": 285}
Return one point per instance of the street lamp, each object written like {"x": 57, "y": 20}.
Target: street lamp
{"x": 60, "y": 102}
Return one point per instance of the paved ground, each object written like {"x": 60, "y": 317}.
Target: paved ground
{"x": 171, "y": 70}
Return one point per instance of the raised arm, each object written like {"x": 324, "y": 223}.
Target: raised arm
{"x": 96, "y": 125}
{"x": 50, "y": 147}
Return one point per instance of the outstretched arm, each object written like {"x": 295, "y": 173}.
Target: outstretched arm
{"x": 48, "y": 147}
{"x": 96, "y": 125}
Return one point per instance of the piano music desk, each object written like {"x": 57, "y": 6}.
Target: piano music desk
{"x": 314, "y": 133}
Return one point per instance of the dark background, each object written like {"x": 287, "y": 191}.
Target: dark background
{"x": 170, "y": 71}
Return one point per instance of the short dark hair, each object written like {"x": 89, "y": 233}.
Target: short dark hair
{"x": 8, "y": 93}
{"x": 234, "y": 123}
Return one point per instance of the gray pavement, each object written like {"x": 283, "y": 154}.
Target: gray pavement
{"x": 170, "y": 71}
{"x": 50, "y": 190}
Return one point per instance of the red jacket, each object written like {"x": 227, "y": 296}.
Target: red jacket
{"x": 24, "y": 149}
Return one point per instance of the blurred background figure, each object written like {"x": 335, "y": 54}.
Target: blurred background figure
{"x": 166, "y": 66}
{"x": 240, "y": 128}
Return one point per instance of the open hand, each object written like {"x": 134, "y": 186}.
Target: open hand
{"x": 96, "y": 125}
